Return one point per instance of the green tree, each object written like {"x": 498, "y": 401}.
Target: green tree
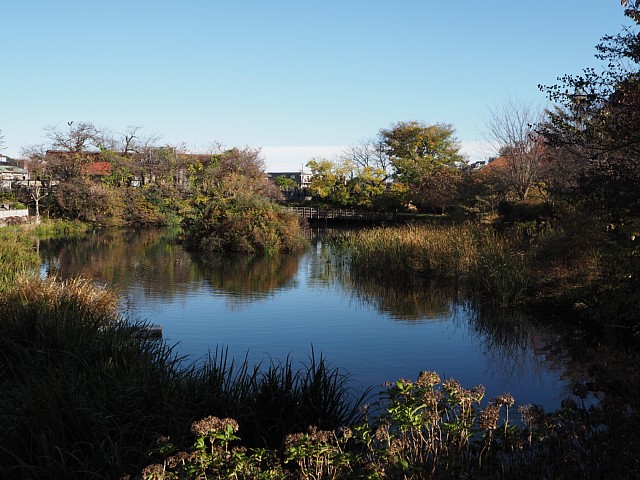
{"x": 418, "y": 151}
{"x": 328, "y": 181}
{"x": 285, "y": 183}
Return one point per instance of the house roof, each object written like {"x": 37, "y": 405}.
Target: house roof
{"x": 496, "y": 164}
{"x": 97, "y": 168}
{"x": 12, "y": 169}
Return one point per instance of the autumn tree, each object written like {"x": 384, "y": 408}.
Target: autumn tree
{"x": 596, "y": 120}
{"x": 511, "y": 131}
{"x": 328, "y": 181}
{"x": 418, "y": 152}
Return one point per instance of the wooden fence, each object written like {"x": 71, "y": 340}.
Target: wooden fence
{"x": 342, "y": 214}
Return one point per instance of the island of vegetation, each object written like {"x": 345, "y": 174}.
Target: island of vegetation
{"x": 550, "y": 225}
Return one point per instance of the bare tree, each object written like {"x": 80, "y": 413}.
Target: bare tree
{"x": 511, "y": 131}
{"x": 78, "y": 138}
{"x": 369, "y": 154}
{"x": 2, "y": 143}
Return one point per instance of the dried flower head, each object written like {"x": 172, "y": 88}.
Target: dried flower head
{"x": 154, "y": 471}
{"x": 490, "y": 416}
{"x": 452, "y": 387}
{"x": 179, "y": 458}
{"x": 477, "y": 393}
{"x": 505, "y": 399}
{"x": 162, "y": 439}
{"x": 294, "y": 439}
{"x": 211, "y": 425}
{"x": 531, "y": 414}
{"x": 347, "y": 433}
{"x": 428, "y": 379}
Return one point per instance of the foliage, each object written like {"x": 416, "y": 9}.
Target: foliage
{"x": 596, "y": 121}
{"x": 418, "y": 151}
{"x": 285, "y": 183}
{"x": 244, "y": 224}
{"x": 429, "y": 429}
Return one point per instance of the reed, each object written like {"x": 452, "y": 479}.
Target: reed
{"x": 472, "y": 254}
{"x": 60, "y": 228}
{"x": 431, "y": 251}
{"x": 17, "y": 255}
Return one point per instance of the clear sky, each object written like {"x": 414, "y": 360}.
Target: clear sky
{"x": 299, "y": 79}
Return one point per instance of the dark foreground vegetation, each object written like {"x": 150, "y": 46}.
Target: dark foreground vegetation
{"x": 87, "y": 394}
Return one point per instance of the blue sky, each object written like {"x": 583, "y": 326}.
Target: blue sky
{"x": 299, "y": 79}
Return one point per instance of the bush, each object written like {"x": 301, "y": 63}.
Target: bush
{"x": 245, "y": 224}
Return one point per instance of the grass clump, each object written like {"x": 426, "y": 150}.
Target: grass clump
{"x": 18, "y": 256}
{"x": 432, "y": 251}
{"x": 60, "y": 228}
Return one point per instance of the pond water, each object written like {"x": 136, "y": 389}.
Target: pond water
{"x": 271, "y": 308}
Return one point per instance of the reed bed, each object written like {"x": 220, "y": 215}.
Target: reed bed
{"x": 18, "y": 256}
{"x": 471, "y": 254}
{"x": 60, "y": 228}
{"x": 440, "y": 251}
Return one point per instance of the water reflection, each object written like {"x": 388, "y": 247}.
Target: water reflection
{"x": 282, "y": 305}
{"x": 249, "y": 277}
{"x": 151, "y": 258}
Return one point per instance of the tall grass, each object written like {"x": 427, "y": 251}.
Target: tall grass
{"x": 18, "y": 256}
{"x": 468, "y": 253}
{"x": 18, "y": 252}
{"x": 60, "y": 228}
{"x": 85, "y": 392}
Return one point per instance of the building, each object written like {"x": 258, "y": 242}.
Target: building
{"x": 302, "y": 180}
{"x": 9, "y": 174}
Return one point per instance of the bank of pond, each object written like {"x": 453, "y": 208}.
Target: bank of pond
{"x": 119, "y": 403}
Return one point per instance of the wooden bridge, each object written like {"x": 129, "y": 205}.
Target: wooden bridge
{"x": 341, "y": 214}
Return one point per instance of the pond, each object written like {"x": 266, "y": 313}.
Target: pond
{"x": 290, "y": 305}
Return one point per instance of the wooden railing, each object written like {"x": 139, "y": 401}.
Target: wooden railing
{"x": 340, "y": 214}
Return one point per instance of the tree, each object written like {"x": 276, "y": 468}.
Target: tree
{"x": 597, "y": 120}
{"x": 285, "y": 183}
{"x": 2, "y": 142}
{"x": 329, "y": 181}
{"x": 511, "y": 131}
{"x": 79, "y": 138}
{"x": 418, "y": 151}
{"x": 226, "y": 173}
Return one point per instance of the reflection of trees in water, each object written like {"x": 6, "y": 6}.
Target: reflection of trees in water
{"x": 153, "y": 261}
{"x": 402, "y": 299}
{"x": 512, "y": 339}
{"x": 150, "y": 259}
{"x": 407, "y": 300}
{"x": 248, "y": 277}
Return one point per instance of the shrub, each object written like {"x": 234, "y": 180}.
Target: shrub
{"x": 244, "y": 224}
